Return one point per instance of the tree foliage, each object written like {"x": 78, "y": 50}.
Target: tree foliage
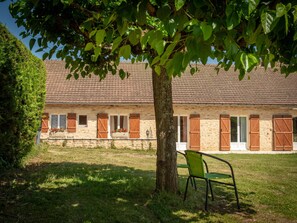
{"x": 92, "y": 36}
{"x": 22, "y": 84}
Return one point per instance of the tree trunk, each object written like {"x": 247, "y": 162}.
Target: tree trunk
{"x": 166, "y": 134}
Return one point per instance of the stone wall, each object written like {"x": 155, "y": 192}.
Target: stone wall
{"x": 209, "y": 124}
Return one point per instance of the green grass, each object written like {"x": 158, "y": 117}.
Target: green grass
{"x": 112, "y": 185}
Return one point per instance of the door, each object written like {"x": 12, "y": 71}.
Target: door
{"x": 295, "y": 133}
{"x": 181, "y": 126}
{"x": 238, "y": 133}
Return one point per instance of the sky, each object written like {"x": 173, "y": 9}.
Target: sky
{"x": 9, "y": 22}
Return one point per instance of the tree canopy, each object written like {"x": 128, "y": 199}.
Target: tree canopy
{"x": 93, "y": 36}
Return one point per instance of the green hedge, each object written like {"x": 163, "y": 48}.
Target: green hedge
{"x": 22, "y": 96}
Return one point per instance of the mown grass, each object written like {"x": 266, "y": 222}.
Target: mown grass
{"x": 111, "y": 185}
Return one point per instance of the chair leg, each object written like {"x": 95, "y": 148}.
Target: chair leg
{"x": 206, "y": 194}
{"x": 236, "y": 193}
{"x": 185, "y": 195}
{"x": 211, "y": 192}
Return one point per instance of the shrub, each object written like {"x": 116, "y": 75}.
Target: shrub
{"x": 22, "y": 96}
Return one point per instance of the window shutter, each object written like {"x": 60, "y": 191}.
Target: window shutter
{"x": 195, "y": 132}
{"x": 102, "y": 126}
{"x": 134, "y": 126}
{"x": 71, "y": 122}
{"x": 44, "y": 122}
{"x": 282, "y": 132}
{"x": 254, "y": 133}
{"x": 225, "y": 132}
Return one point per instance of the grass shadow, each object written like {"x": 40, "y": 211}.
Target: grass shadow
{"x": 80, "y": 192}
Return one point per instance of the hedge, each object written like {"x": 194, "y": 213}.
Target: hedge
{"x": 22, "y": 97}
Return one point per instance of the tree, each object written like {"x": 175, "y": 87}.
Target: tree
{"x": 92, "y": 37}
{"x": 22, "y": 96}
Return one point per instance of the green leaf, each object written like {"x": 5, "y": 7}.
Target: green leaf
{"x": 158, "y": 70}
{"x": 44, "y": 56}
{"x": 125, "y": 51}
{"x": 134, "y": 36}
{"x": 92, "y": 33}
{"x": 116, "y": 43}
{"x": 100, "y": 35}
{"x": 295, "y": 13}
{"x": 266, "y": 21}
{"x": 248, "y": 61}
{"x": 253, "y": 5}
{"x": 206, "y": 30}
{"x": 179, "y": 4}
{"x": 233, "y": 20}
{"x": 155, "y": 60}
{"x": 280, "y": 10}
{"x": 192, "y": 70}
{"x": 89, "y": 46}
{"x": 31, "y": 43}
{"x": 159, "y": 46}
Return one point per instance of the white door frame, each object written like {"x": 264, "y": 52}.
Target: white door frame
{"x": 181, "y": 146}
{"x": 239, "y": 145}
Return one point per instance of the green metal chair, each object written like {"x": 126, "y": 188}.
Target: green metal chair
{"x": 185, "y": 166}
{"x": 196, "y": 168}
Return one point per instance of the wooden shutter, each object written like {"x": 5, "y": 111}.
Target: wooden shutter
{"x": 282, "y": 132}
{"x": 71, "y": 122}
{"x": 102, "y": 126}
{"x": 254, "y": 133}
{"x": 195, "y": 132}
{"x": 225, "y": 132}
{"x": 44, "y": 123}
{"x": 134, "y": 125}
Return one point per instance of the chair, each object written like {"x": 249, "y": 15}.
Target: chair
{"x": 185, "y": 166}
{"x": 196, "y": 165}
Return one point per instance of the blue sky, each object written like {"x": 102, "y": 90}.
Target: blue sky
{"x": 9, "y": 22}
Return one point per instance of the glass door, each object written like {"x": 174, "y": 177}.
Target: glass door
{"x": 238, "y": 133}
{"x": 181, "y": 126}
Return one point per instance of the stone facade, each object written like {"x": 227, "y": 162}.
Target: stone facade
{"x": 209, "y": 124}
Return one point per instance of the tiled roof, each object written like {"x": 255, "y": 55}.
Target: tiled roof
{"x": 205, "y": 87}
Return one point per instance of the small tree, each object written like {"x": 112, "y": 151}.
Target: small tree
{"x": 22, "y": 84}
{"x": 169, "y": 35}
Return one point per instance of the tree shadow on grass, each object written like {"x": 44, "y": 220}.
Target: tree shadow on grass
{"x": 79, "y": 192}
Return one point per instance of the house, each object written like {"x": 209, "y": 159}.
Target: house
{"x": 212, "y": 112}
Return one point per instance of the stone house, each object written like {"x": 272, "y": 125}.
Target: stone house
{"x": 212, "y": 112}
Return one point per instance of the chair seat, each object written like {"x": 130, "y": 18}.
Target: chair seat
{"x": 217, "y": 175}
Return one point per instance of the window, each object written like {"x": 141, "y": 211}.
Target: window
{"x": 238, "y": 132}
{"x": 82, "y": 120}
{"x": 58, "y": 121}
{"x": 118, "y": 123}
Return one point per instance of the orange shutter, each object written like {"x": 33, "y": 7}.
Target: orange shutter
{"x": 71, "y": 122}
{"x": 44, "y": 123}
{"x": 102, "y": 126}
{"x": 254, "y": 133}
{"x": 283, "y": 132}
{"x": 195, "y": 132}
{"x": 225, "y": 132}
{"x": 134, "y": 121}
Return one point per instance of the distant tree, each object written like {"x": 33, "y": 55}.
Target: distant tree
{"x": 22, "y": 84}
{"x": 170, "y": 35}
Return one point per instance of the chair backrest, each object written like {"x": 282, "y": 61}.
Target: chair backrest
{"x": 195, "y": 163}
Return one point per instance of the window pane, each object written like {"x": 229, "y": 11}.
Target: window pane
{"x": 54, "y": 121}
{"x": 82, "y": 120}
{"x": 233, "y": 129}
{"x": 124, "y": 123}
{"x": 183, "y": 129}
{"x": 113, "y": 123}
{"x": 62, "y": 121}
{"x": 295, "y": 129}
{"x": 242, "y": 123}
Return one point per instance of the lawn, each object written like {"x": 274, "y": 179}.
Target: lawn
{"x": 60, "y": 184}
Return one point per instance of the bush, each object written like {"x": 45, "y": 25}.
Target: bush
{"x": 22, "y": 96}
